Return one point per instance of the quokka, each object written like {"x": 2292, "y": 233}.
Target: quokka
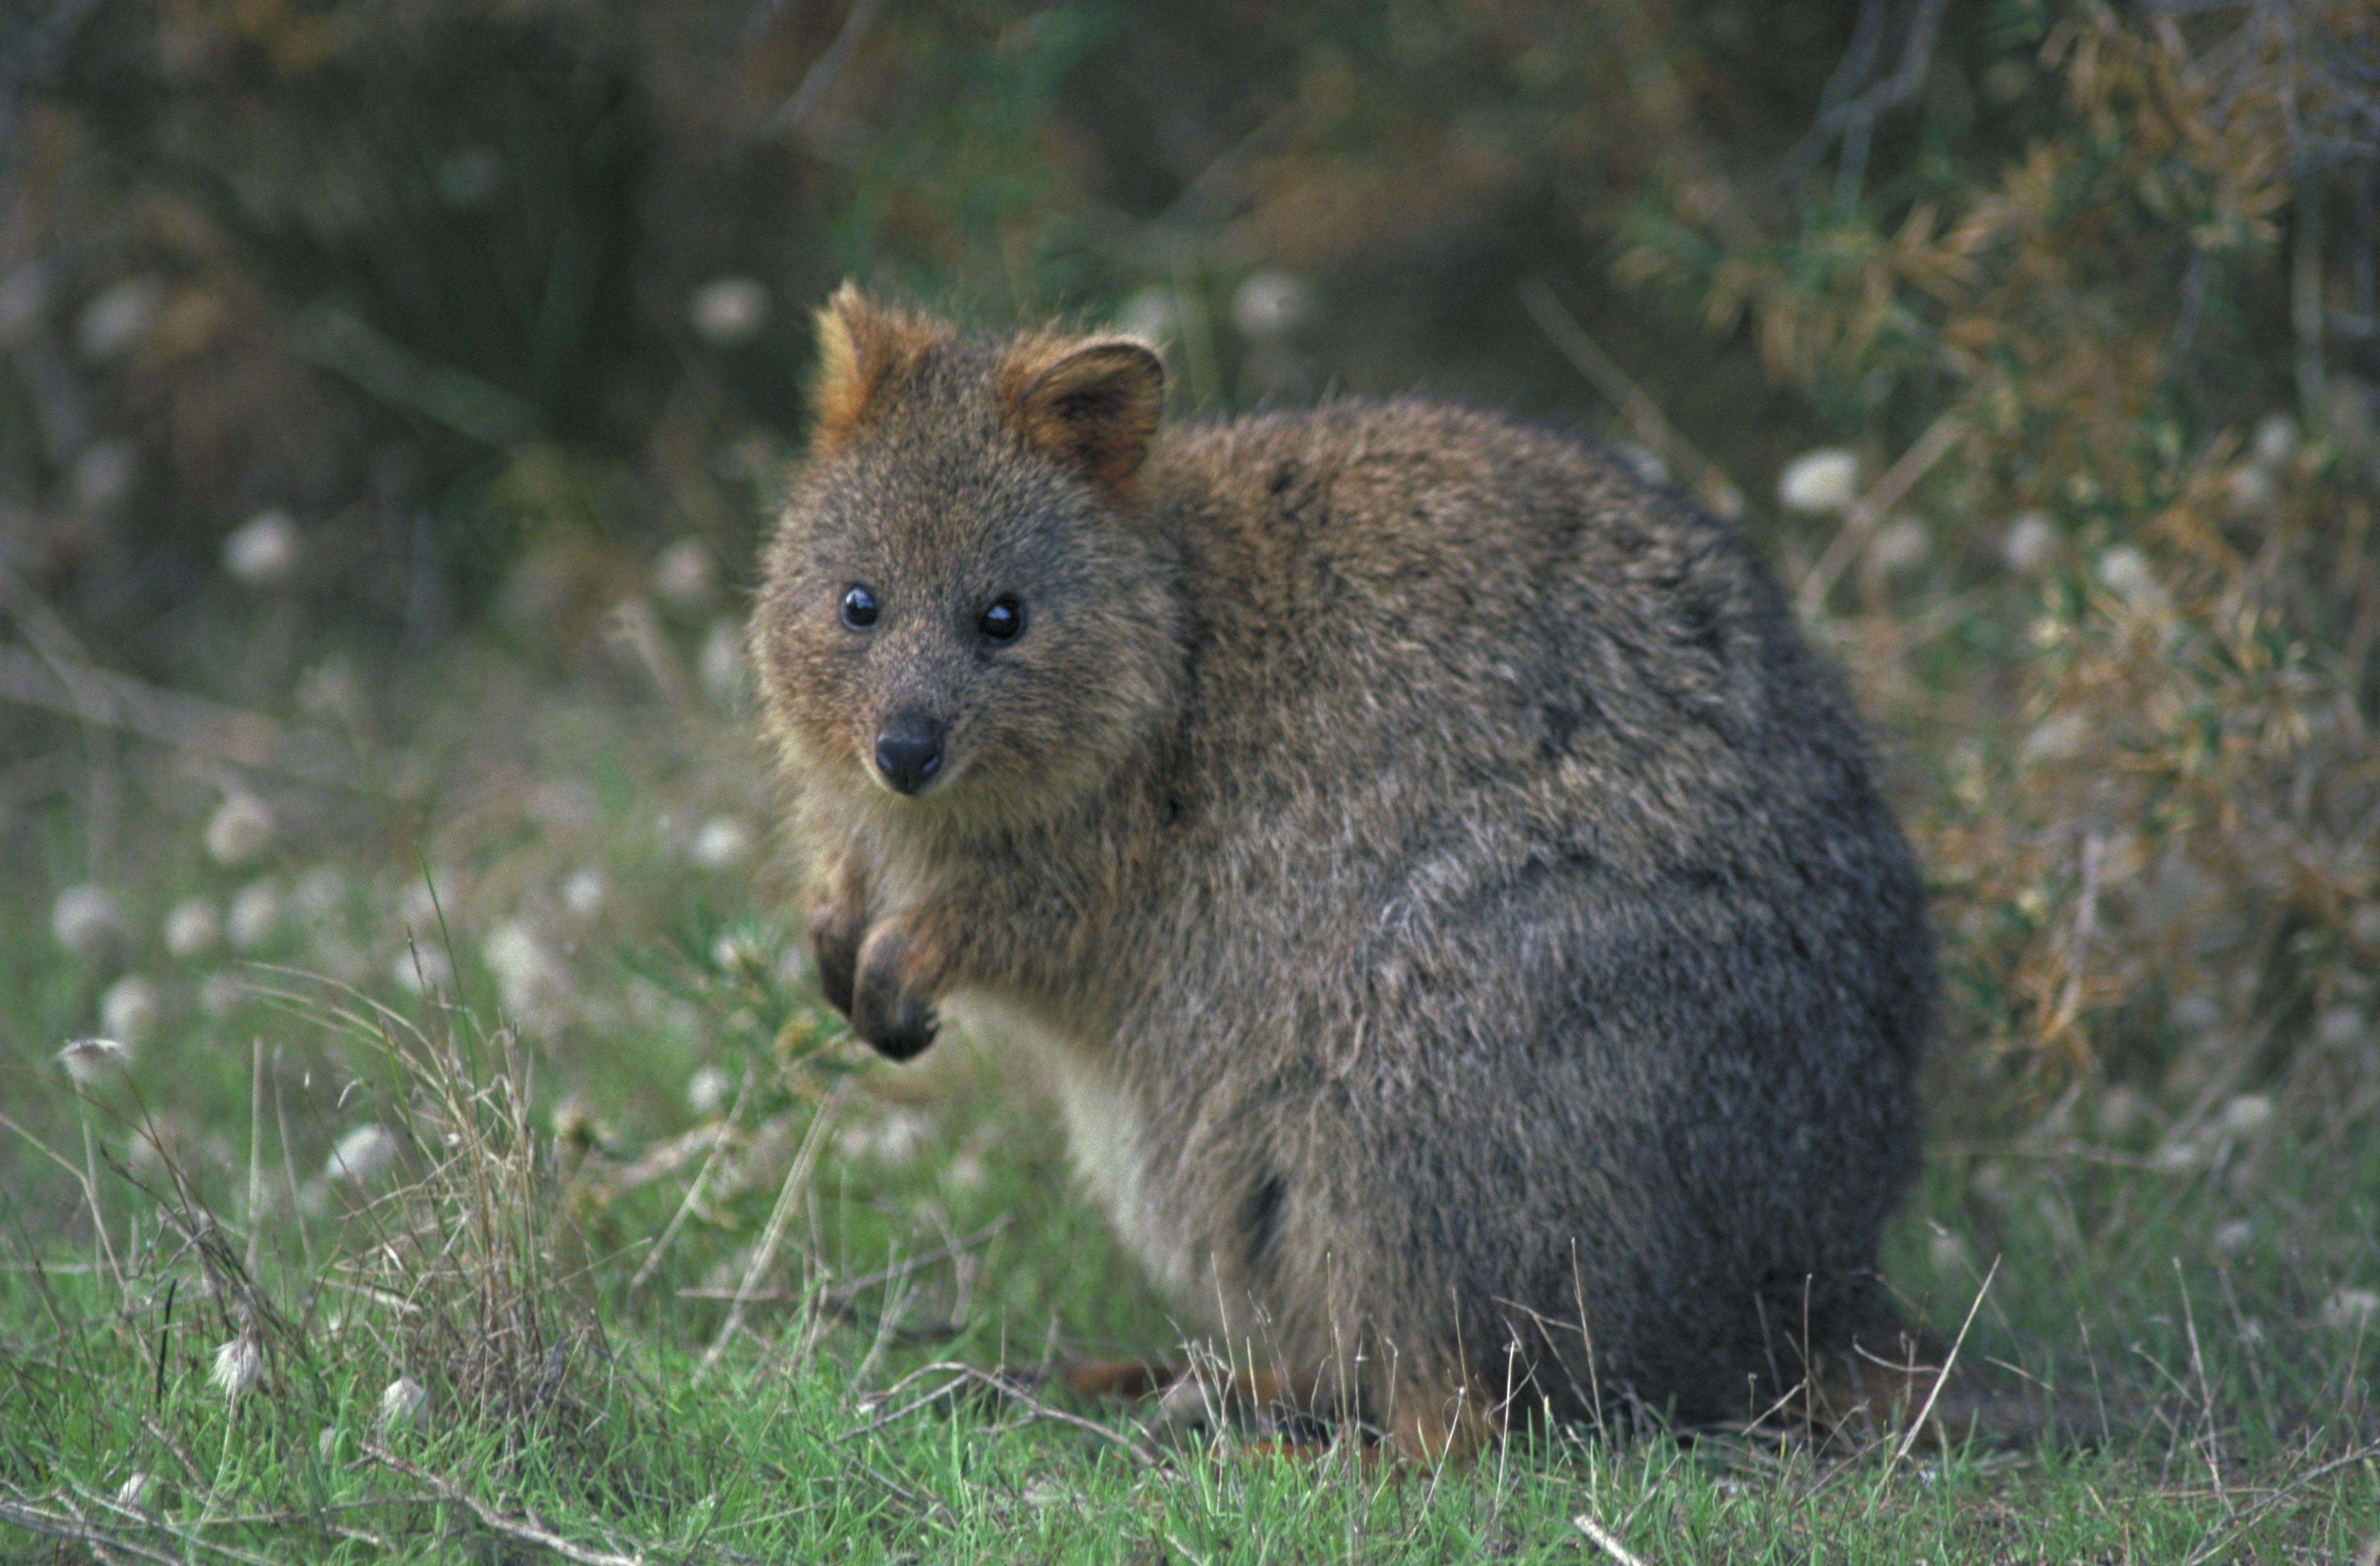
{"x": 1454, "y": 907}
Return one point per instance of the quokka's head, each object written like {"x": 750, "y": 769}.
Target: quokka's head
{"x": 963, "y": 604}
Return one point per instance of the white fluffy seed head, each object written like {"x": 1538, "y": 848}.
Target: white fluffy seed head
{"x": 363, "y": 1156}
{"x": 218, "y": 992}
{"x": 193, "y": 928}
{"x": 724, "y": 679}
{"x": 727, "y": 311}
{"x": 237, "y": 1364}
{"x": 707, "y": 1092}
{"x": 255, "y": 914}
{"x": 2247, "y": 1114}
{"x": 2125, "y": 572}
{"x": 723, "y": 843}
{"x": 2348, "y": 1310}
{"x": 583, "y": 893}
{"x": 92, "y": 1060}
{"x": 2276, "y": 440}
{"x": 118, "y": 318}
{"x": 402, "y": 1402}
{"x": 86, "y": 920}
{"x": 1820, "y": 483}
{"x": 239, "y": 831}
{"x": 2030, "y": 545}
{"x": 264, "y": 552}
{"x": 1900, "y": 547}
{"x": 685, "y": 576}
{"x": 129, "y": 1010}
{"x": 1271, "y": 305}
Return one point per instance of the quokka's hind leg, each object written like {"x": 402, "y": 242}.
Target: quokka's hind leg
{"x": 1120, "y": 1380}
{"x": 1443, "y": 1420}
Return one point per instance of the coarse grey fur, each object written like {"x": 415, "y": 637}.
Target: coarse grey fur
{"x": 1463, "y": 923}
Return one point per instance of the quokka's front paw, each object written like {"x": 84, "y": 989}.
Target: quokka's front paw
{"x": 889, "y": 1007}
{"x": 836, "y": 928}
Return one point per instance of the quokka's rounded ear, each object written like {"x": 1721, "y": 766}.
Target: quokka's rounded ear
{"x": 1092, "y": 405}
{"x": 861, "y": 347}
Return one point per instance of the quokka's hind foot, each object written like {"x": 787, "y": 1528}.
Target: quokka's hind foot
{"x": 1120, "y": 1380}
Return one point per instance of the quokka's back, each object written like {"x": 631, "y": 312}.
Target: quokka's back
{"x": 1452, "y": 904}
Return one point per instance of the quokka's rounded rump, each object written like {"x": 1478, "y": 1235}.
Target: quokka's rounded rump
{"x": 1452, "y": 904}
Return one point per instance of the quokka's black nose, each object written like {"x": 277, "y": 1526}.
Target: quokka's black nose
{"x": 909, "y": 752}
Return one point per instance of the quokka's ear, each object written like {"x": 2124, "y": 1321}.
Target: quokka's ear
{"x": 1091, "y": 405}
{"x": 861, "y": 347}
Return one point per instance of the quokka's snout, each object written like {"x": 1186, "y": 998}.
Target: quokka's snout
{"x": 1449, "y": 901}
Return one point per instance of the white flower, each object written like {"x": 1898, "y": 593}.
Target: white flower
{"x": 2195, "y": 1010}
{"x": 684, "y": 575}
{"x": 86, "y": 920}
{"x": 722, "y": 666}
{"x": 418, "y": 905}
{"x": 2276, "y": 440}
{"x": 129, "y": 1010}
{"x": 2061, "y": 736}
{"x": 1899, "y": 546}
{"x": 2235, "y": 1239}
{"x": 318, "y": 894}
{"x": 2125, "y": 572}
{"x": 218, "y": 992}
{"x": 133, "y": 1494}
{"x": 363, "y": 1156}
{"x": 529, "y": 979}
{"x": 193, "y": 928}
{"x": 2030, "y": 544}
{"x": 729, "y": 310}
{"x": 237, "y": 1364}
{"x": 584, "y": 893}
{"x": 255, "y": 914}
{"x": 1269, "y": 306}
{"x": 1150, "y": 315}
{"x": 91, "y": 1060}
{"x": 1819, "y": 482}
{"x": 401, "y": 1403}
{"x": 2249, "y": 490}
{"x": 239, "y": 831}
{"x": 707, "y": 1092}
{"x": 2347, "y": 1309}
{"x": 2247, "y": 1114}
{"x": 893, "y": 1140}
{"x": 2365, "y": 926}
{"x": 723, "y": 843}
{"x": 2341, "y": 1028}
{"x": 104, "y": 475}
{"x": 118, "y": 318}
{"x": 265, "y": 551}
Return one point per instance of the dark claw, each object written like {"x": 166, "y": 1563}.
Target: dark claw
{"x": 834, "y": 942}
{"x": 898, "y": 1024}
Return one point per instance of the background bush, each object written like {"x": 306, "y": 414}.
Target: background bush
{"x": 496, "y": 302}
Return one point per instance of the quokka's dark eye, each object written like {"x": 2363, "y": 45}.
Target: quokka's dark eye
{"x": 858, "y": 608}
{"x": 1004, "y": 620}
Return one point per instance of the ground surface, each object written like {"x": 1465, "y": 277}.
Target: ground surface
{"x": 572, "y": 1226}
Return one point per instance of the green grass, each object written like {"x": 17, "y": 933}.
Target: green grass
{"x": 2182, "y": 1277}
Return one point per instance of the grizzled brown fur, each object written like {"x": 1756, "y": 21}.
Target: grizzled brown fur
{"x": 1453, "y": 908}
